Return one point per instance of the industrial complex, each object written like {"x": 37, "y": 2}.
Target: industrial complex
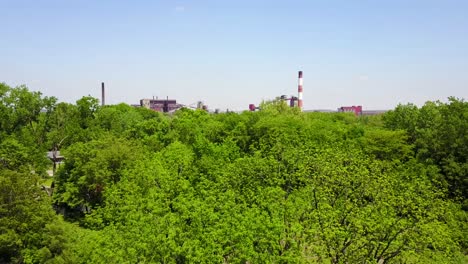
{"x": 170, "y": 105}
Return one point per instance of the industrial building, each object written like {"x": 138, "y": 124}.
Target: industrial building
{"x": 357, "y": 110}
{"x": 294, "y": 101}
{"x": 297, "y": 101}
{"x": 161, "y": 105}
{"x": 170, "y": 105}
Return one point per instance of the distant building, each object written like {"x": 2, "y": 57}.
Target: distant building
{"x": 357, "y": 110}
{"x": 160, "y": 105}
{"x": 374, "y": 112}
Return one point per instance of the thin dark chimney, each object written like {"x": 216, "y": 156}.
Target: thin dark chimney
{"x": 103, "y": 101}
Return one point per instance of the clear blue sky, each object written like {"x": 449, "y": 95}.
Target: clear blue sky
{"x": 232, "y": 53}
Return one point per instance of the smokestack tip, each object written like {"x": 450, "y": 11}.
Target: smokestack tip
{"x": 300, "y": 74}
{"x": 103, "y": 99}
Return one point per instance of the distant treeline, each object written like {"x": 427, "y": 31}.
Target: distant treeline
{"x": 273, "y": 186}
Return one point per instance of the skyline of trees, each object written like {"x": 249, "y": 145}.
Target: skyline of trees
{"x": 273, "y": 186}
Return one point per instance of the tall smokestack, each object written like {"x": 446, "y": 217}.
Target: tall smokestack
{"x": 103, "y": 98}
{"x": 299, "y": 91}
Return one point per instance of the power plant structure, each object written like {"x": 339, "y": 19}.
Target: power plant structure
{"x": 170, "y": 105}
{"x": 160, "y": 105}
{"x": 294, "y": 101}
{"x": 299, "y": 91}
{"x": 297, "y": 101}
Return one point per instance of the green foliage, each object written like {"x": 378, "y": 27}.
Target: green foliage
{"x": 118, "y": 118}
{"x": 23, "y": 127}
{"x": 439, "y": 134}
{"x": 30, "y": 231}
{"x": 90, "y": 168}
{"x": 87, "y": 106}
{"x": 387, "y": 145}
{"x": 273, "y": 186}
{"x": 64, "y": 126}
{"x": 13, "y": 155}
{"x": 278, "y": 106}
{"x": 370, "y": 211}
{"x": 21, "y": 108}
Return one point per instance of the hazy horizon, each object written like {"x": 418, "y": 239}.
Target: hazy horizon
{"x": 375, "y": 54}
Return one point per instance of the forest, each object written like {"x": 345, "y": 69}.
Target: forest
{"x": 271, "y": 186}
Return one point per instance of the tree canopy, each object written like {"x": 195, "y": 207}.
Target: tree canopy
{"x": 272, "y": 186}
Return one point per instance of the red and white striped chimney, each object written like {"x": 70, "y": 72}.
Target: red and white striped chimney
{"x": 299, "y": 91}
